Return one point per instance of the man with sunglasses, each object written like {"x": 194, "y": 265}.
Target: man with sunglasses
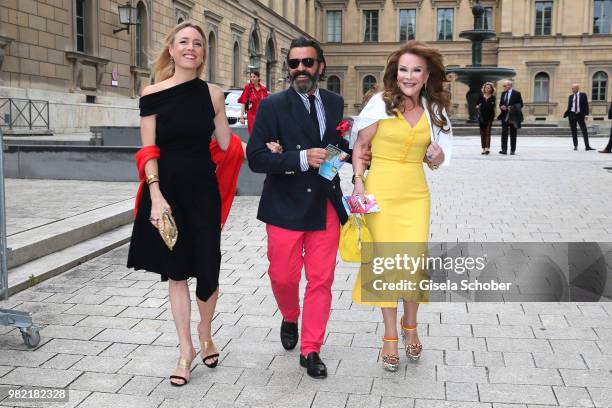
{"x": 303, "y": 210}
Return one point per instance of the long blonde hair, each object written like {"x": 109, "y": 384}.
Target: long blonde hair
{"x": 163, "y": 66}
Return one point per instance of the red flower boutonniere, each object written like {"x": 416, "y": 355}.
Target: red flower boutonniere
{"x": 343, "y": 127}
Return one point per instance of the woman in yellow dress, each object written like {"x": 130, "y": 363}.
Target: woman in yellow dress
{"x": 405, "y": 125}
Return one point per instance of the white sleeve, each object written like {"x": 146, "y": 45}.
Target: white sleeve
{"x": 303, "y": 160}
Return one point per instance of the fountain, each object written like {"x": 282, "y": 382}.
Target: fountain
{"x": 476, "y": 75}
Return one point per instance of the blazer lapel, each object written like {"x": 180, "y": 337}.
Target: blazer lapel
{"x": 303, "y": 121}
{"x": 330, "y": 126}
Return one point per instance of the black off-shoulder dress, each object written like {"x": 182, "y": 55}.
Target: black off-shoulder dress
{"x": 183, "y": 129}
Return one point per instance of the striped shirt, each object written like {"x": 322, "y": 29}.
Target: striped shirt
{"x": 320, "y": 115}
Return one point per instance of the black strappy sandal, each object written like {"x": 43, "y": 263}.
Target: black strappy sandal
{"x": 207, "y": 344}
{"x": 182, "y": 363}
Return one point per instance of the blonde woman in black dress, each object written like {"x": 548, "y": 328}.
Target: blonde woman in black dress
{"x": 179, "y": 114}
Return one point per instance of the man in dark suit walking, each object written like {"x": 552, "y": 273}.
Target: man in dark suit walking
{"x": 511, "y": 116}
{"x": 303, "y": 211}
{"x": 577, "y": 111}
{"x": 608, "y": 148}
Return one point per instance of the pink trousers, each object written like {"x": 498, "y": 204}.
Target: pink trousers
{"x": 288, "y": 251}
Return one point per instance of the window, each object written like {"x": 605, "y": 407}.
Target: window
{"x": 543, "y": 20}
{"x": 542, "y": 85}
{"x": 488, "y": 18}
{"x": 254, "y": 51}
{"x": 334, "y": 26}
{"x": 180, "y": 20}
{"x": 141, "y": 36}
{"x": 236, "y": 66}
{"x": 333, "y": 84}
{"x": 269, "y": 65}
{"x": 407, "y": 25}
{"x": 81, "y": 23}
{"x": 445, "y": 24}
{"x": 602, "y": 16}
{"x": 212, "y": 57}
{"x": 370, "y": 26}
{"x": 600, "y": 86}
{"x": 368, "y": 83}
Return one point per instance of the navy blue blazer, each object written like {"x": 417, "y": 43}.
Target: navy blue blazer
{"x": 293, "y": 199}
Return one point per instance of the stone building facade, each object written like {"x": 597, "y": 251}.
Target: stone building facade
{"x": 550, "y": 44}
{"x": 68, "y": 56}
{"x": 68, "y": 53}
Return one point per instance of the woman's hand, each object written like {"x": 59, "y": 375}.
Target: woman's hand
{"x": 359, "y": 189}
{"x": 274, "y": 147}
{"x": 435, "y": 154}
{"x": 159, "y": 205}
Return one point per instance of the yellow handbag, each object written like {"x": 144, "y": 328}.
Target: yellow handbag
{"x": 353, "y": 235}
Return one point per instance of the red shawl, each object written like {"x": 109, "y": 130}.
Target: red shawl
{"x": 228, "y": 168}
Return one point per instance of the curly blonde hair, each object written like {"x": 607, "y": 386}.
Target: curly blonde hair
{"x": 433, "y": 91}
{"x": 492, "y": 88}
{"x": 163, "y": 67}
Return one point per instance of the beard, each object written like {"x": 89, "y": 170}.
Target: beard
{"x": 306, "y": 85}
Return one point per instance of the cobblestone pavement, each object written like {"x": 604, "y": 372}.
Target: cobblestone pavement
{"x": 109, "y": 337}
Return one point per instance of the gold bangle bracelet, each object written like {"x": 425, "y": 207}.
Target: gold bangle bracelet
{"x": 152, "y": 179}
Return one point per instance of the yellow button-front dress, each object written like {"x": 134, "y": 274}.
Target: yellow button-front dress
{"x": 397, "y": 180}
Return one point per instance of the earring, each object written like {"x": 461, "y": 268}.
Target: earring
{"x": 172, "y": 59}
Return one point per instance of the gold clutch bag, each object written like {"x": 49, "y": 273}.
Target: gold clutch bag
{"x": 168, "y": 230}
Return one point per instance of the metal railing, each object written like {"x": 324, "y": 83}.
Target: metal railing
{"x": 24, "y": 114}
{"x": 3, "y": 237}
{"x": 11, "y": 317}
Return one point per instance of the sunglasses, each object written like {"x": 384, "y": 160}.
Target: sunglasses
{"x": 295, "y": 62}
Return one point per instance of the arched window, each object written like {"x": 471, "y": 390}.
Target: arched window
{"x": 270, "y": 65}
{"x": 212, "y": 57}
{"x": 236, "y": 66}
{"x": 141, "y": 42}
{"x": 541, "y": 87}
{"x": 368, "y": 83}
{"x": 333, "y": 84}
{"x": 600, "y": 86}
{"x": 254, "y": 51}
{"x": 285, "y": 74}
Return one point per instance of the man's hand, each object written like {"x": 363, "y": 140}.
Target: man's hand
{"x": 315, "y": 157}
{"x": 504, "y": 108}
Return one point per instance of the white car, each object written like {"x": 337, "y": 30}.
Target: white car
{"x": 233, "y": 107}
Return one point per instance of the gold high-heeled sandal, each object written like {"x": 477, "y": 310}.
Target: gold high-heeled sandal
{"x": 186, "y": 364}
{"x": 413, "y": 350}
{"x": 390, "y": 361}
{"x": 207, "y": 344}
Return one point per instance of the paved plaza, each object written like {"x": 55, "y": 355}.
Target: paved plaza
{"x": 108, "y": 334}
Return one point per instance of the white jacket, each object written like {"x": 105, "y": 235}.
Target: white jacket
{"x": 375, "y": 111}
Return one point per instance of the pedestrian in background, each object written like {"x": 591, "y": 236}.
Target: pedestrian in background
{"x": 577, "y": 110}
{"x": 608, "y": 148}
{"x": 254, "y": 92}
{"x": 511, "y": 116}
{"x": 486, "y": 114}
